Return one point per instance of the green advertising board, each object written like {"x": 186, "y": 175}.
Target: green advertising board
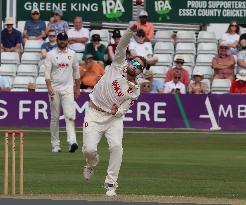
{"x": 4, "y": 8}
{"x": 90, "y": 10}
{"x": 196, "y": 11}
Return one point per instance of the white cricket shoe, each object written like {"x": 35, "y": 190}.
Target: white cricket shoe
{"x": 56, "y": 149}
{"x": 110, "y": 190}
{"x": 88, "y": 172}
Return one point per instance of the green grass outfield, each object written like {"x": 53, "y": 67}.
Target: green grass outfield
{"x": 154, "y": 163}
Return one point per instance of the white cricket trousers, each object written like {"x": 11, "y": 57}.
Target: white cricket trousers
{"x": 97, "y": 123}
{"x": 66, "y": 101}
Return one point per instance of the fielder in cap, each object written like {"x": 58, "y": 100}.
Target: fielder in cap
{"x": 110, "y": 99}
{"x": 62, "y": 70}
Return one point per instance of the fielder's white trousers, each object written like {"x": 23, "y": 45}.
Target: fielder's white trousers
{"x": 96, "y": 124}
{"x": 66, "y": 101}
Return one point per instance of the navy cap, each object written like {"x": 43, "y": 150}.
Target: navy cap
{"x": 96, "y": 37}
{"x": 116, "y": 33}
{"x": 62, "y": 36}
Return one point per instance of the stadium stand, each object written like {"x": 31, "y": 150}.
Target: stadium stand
{"x": 220, "y": 86}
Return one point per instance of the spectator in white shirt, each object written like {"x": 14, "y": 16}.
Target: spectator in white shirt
{"x": 141, "y": 48}
{"x": 175, "y": 86}
{"x": 78, "y": 36}
{"x": 231, "y": 37}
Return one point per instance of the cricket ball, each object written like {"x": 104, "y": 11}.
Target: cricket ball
{"x": 139, "y": 2}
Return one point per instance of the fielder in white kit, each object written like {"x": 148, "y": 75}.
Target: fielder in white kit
{"x": 62, "y": 70}
{"x": 110, "y": 99}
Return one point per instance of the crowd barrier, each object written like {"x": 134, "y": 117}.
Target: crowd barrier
{"x": 212, "y": 112}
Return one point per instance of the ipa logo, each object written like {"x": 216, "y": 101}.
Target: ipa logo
{"x": 113, "y": 9}
{"x": 163, "y": 7}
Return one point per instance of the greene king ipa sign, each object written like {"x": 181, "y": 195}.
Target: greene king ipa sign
{"x": 196, "y": 11}
{"x": 90, "y": 10}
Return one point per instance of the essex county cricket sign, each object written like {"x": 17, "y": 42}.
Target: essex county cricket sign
{"x": 90, "y": 10}
{"x": 196, "y": 11}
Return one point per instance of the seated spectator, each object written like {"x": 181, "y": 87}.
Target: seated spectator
{"x": 31, "y": 87}
{"x": 112, "y": 46}
{"x": 231, "y": 37}
{"x": 241, "y": 58}
{"x": 185, "y": 77}
{"x": 157, "y": 86}
{"x": 196, "y": 86}
{"x": 145, "y": 25}
{"x": 35, "y": 28}
{"x": 146, "y": 86}
{"x": 239, "y": 85}
{"x": 4, "y": 84}
{"x": 223, "y": 64}
{"x": 175, "y": 86}
{"x": 48, "y": 46}
{"x": 90, "y": 73}
{"x": 78, "y": 36}
{"x": 11, "y": 39}
{"x": 141, "y": 48}
{"x": 56, "y": 23}
{"x": 95, "y": 48}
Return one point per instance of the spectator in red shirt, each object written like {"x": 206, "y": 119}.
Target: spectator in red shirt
{"x": 185, "y": 78}
{"x": 223, "y": 64}
{"x": 239, "y": 85}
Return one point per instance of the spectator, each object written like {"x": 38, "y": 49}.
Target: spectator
{"x": 11, "y": 38}
{"x": 175, "y": 86}
{"x": 145, "y": 25}
{"x": 96, "y": 49}
{"x": 241, "y": 58}
{"x": 56, "y": 23}
{"x": 31, "y": 87}
{"x": 157, "y": 86}
{"x": 4, "y": 84}
{"x": 185, "y": 77}
{"x": 48, "y": 46}
{"x": 146, "y": 86}
{"x": 231, "y": 37}
{"x": 90, "y": 73}
{"x": 197, "y": 86}
{"x": 35, "y": 28}
{"x": 239, "y": 85}
{"x": 141, "y": 48}
{"x": 112, "y": 47}
{"x": 223, "y": 64}
{"x": 78, "y": 36}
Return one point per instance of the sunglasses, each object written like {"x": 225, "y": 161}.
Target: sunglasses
{"x": 35, "y": 13}
{"x": 146, "y": 86}
{"x": 52, "y": 36}
{"x": 9, "y": 24}
{"x": 56, "y": 14}
{"x": 134, "y": 63}
{"x": 178, "y": 62}
{"x": 141, "y": 36}
{"x": 177, "y": 78}
{"x": 234, "y": 25}
{"x": 223, "y": 47}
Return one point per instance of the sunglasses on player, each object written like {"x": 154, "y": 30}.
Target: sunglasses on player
{"x": 135, "y": 64}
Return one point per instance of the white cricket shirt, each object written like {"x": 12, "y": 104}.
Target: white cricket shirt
{"x": 113, "y": 87}
{"x": 60, "y": 67}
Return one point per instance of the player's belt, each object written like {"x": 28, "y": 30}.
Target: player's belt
{"x": 92, "y": 105}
